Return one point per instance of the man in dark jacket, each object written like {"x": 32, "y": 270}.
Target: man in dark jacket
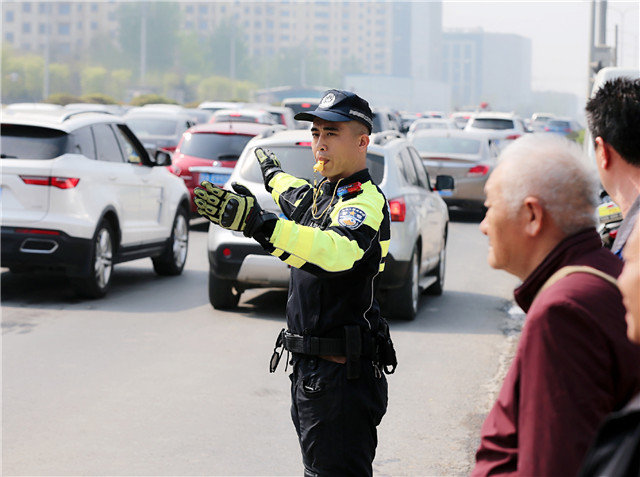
{"x": 573, "y": 364}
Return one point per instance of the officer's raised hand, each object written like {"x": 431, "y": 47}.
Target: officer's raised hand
{"x": 235, "y": 211}
{"x": 269, "y": 164}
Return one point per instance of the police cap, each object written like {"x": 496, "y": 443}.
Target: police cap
{"x": 338, "y": 105}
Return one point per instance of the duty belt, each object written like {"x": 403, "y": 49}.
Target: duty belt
{"x": 352, "y": 346}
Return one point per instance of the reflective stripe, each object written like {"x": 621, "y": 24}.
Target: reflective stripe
{"x": 282, "y": 182}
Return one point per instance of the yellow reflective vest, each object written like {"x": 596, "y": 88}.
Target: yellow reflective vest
{"x": 336, "y": 246}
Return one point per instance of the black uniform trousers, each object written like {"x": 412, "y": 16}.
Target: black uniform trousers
{"x": 336, "y": 418}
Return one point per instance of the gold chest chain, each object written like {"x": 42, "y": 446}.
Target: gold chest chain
{"x": 316, "y": 193}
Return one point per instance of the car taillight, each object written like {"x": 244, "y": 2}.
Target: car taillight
{"x": 37, "y": 231}
{"x": 168, "y": 148}
{"x": 513, "y": 136}
{"x": 478, "y": 171}
{"x": 305, "y": 105}
{"x": 59, "y": 182}
{"x": 547, "y": 128}
{"x": 303, "y": 143}
{"x": 398, "y": 209}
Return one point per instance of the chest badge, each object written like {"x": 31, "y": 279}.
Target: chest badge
{"x": 351, "y": 217}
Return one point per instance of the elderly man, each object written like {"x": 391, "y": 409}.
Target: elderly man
{"x": 572, "y": 366}
{"x": 614, "y": 122}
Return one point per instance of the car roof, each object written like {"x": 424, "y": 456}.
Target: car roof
{"x": 238, "y": 127}
{"x": 241, "y": 111}
{"x": 494, "y": 115}
{"x": 300, "y": 100}
{"x": 157, "y": 113}
{"x": 220, "y": 104}
{"x": 453, "y": 133}
{"x": 66, "y": 121}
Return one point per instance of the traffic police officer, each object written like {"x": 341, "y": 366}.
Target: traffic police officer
{"x": 335, "y": 237}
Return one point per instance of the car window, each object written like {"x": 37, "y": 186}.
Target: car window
{"x": 214, "y": 146}
{"x": 298, "y": 161}
{"x": 81, "y": 142}
{"x": 409, "y": 168}
{"x": 559, "y": 124}
{"x": 29, "y": 142}
{"x": 492, "y": 123}
{"x": 107, "y": 148}
{"x": 423, "y": 178}
{"x": 130, "y": 150}
{"x": 451, "y": 145}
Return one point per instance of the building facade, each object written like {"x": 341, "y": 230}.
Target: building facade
{"x": 383, "y": 38}
{"x": 487, "y": 67}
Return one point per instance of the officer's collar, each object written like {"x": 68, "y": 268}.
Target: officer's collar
{"x": 361, "y": 176}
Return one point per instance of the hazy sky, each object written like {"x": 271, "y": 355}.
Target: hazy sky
{"x": 559, "y": 33}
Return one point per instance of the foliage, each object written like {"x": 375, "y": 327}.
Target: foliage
{"x": 162, "y": 23}
{"x": 98, "y": 98}
{"x": 63, "y": 99}
{"x": 150, "y": 99}
{"x": 219, "y": 87}
{"x": 22, "y": 76}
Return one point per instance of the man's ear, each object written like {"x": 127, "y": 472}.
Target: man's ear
{"x": 603, "y": 153}
{"x": 533, "y": 216}
{"x": 364, "y": 141}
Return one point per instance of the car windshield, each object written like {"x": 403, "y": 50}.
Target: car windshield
{"x": 214, "y": 146}
{"x": 28, "y": 142}
{"x": 559, "y": 124}
{"x": 450, "y": 145}
{"x": 298, "y": 161}
{"x": 300, "y": 107}
{"x": 228, "y": 118}
{"x": 492, "y": 123}
{"x": 433, "y": 125}
{"x": 152, "y": 126}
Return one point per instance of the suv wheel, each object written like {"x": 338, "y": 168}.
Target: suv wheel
{"x": 405, "y": 299}
{"x": 97, "y": 283}
{"x": 222, "y": 293}
{"x": 172, "y": 260}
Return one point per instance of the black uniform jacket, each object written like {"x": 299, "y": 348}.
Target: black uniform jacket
{"x": 336, "y": 249}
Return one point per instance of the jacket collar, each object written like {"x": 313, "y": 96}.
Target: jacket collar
{"x": 361, "y": 176}
{"x": 564, "y": 253}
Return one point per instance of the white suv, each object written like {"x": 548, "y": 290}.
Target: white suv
{"x": 80, "y": 193}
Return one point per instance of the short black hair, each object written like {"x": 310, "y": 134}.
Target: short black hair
{"x": 614, "y": 115}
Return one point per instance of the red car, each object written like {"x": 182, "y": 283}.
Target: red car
{"x": 213, "y": 144}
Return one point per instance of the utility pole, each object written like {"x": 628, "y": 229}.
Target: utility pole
{"x": 47, "y": 54}
{"x": 232, "y": 63}
{"x": 600, "y": 55}
{"x": 143, "y": 43}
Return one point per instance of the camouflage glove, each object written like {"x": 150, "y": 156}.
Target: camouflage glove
{"x": 269, "y": 164}
{"x": 234, "y": 211}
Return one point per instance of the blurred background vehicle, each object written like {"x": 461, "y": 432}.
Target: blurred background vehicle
{"x": 469, "y": 157}
{"x": 210, "y": 151}
{"x": 564, "y": 126}
{"x": 417, "y": 254}
{"x": 505, "y": 126}
{"x": 539, "y": 120}
{"x": 243, "y": 115}
{"x": 80, "y": 194}
{"x": 159, "y": 128}
{"x": 214, "y": 106}
{"x": 461, "y": 118}
{"x": 430, "y": 123}
{"x": 199, "y": 116}
{"x": 385, "y": 119}
{"x": 299, "y": 105}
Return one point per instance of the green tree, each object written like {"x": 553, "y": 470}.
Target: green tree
{"x": 162, "y": 23}
{"x": 22, "y": 76}
{"x": 227, "y": 42}
{"x": 94, "y": 79}
{"x": 60, "y": 78}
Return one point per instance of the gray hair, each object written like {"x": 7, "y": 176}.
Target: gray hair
{"x": 552, "y": 169}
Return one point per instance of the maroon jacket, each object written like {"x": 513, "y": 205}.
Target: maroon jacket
{"x": 573, "y": 366}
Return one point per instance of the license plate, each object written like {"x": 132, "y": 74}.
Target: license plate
{"x": 217, "y": 179}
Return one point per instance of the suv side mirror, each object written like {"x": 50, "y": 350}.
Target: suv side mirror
{"x": 163, "y": 158}
{"x": 444, "y": 183}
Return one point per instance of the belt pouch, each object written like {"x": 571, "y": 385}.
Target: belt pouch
{"x": 353, "y": 342}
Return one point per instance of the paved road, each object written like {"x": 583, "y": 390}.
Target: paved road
{"x": 152, "y": 381}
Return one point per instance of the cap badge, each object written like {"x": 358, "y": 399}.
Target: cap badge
{"x": 327, "y": 101}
